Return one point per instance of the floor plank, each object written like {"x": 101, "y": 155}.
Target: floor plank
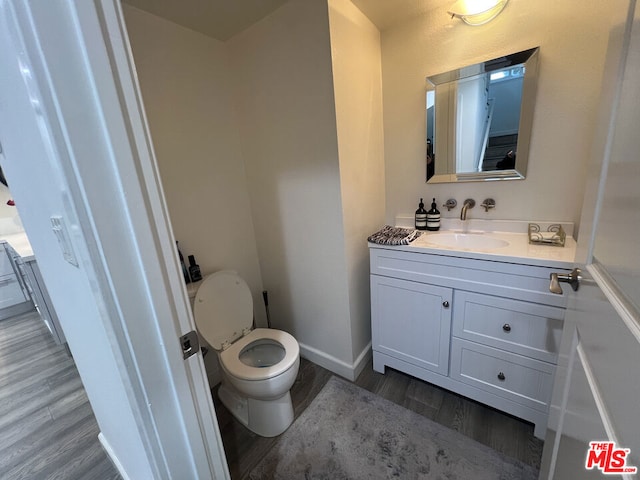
{"x": 47, "y": 427}
{"x": 486, "y": 425}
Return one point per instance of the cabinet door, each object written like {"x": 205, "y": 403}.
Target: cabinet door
{"x": 411, "y": 322}
{"x": 5, "y": 264}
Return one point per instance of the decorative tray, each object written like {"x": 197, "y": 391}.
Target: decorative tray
{"x": 553, "y": 236}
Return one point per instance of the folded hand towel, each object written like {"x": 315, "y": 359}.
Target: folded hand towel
{"x": 389, "y": 235}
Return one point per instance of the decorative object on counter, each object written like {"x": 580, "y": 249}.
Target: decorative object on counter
{"x": 449, "y": 204}
{"x": 194, "y": 269}
{"x": 554, "y": 236}
{"x": 389, "y": 235}
{"x": 185, "y": 272}
{"x": 433, "y": 217}
{"x": 488, "y": 203}
{"x": 421, "y": 217}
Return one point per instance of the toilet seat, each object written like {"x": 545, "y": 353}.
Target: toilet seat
{"x": 231, "y": 362}
{"x": 223, "y": 308}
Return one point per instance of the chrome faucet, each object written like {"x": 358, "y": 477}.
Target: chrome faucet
{"x": 468, "y": 203}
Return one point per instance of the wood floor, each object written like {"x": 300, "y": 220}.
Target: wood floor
{"x": 48, "y": 431}
{"x": 498, "y": 430}
{"x": 47, "y": 428}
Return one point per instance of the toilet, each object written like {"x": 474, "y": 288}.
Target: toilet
{"x": 259, "y": 365}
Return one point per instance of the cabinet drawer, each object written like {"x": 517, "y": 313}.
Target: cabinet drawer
{"x": 520, "y": 327}
{"x": 522, "y": 282}
{"x": 517, "y": 378}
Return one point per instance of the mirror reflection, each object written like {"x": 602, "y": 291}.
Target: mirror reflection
{"x": 479, "y": 118}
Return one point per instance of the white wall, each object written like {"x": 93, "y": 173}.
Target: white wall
{"x": 357, "y": 83}
{"x": 572, "y": 46}
{"x": 505, "y": 120}
{"x": 186, "y": 89}
{"x": 285, "y": 105}
{"x": 471, "y": 121}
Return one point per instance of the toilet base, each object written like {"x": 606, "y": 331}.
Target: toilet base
{"x": 267, "y": 418}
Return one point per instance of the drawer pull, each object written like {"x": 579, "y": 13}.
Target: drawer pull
{"x": 501, "y": 376}
{"x": 445, "y": 304}
{"x": 506, "y": 327}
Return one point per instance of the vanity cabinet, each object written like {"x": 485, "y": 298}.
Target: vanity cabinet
{"x": 42, "y": 301}
{"x": 488, "y": 330}
{"x": 14, "y": 294}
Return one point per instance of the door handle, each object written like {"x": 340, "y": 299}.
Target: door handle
{"x": 572, "y": 279}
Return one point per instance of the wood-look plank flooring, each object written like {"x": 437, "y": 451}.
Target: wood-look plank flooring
{"x": 498, "y": 430}
{"x": 47, "y": 427}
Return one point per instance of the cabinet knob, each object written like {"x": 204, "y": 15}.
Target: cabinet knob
{"x": 501, "y": 376}
{"x": 506, "y": 327}
{"x": 445, "y": 304}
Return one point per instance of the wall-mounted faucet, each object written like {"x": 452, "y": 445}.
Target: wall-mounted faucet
{"x": 468, "y": 203}
{"x": 488, "y": 203}
{"x": 451, "y": 203}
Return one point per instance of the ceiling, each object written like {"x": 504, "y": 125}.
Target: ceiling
{"x": 222, "y": 19}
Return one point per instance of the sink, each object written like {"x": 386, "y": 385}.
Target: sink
{"x": 470, "y": 241}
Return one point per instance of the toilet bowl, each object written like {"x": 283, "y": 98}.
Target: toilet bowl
{"x": 259, "y": 365}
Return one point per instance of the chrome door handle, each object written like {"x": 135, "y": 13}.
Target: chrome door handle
{"x": 572, "y": 279}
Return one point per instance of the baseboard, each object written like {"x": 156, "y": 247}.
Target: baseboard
{"x": 335, "y": 365}
{"x": 112, "y": 456}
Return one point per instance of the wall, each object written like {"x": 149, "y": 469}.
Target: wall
{"x": 357, "y": 83}
{"x": 9, "y": 218}
{"x": 287, "y": 119}
{"x": 186, "y": 88}
{"x": 572, "y": 44}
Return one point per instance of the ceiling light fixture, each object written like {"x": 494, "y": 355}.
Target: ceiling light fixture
{"x": 477, "y": 12}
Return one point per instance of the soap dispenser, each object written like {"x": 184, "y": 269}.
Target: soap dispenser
{"x": 433, "y": 217}
{"x": 421, "y": 217}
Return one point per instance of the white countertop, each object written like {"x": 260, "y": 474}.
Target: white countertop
{"x": 518, "y": 251}
{"x": 20, "y": 244}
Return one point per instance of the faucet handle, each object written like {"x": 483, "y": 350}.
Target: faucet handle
{"x": 451, "y": 203}
{"x": 488, "y": 203}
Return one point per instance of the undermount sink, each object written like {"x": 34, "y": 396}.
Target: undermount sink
{"x": 471, "y": 241}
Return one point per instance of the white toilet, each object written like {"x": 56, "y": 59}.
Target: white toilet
{"x": 258, "y": 366}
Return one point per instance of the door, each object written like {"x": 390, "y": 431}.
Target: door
{"x": 410, "y": 322}
{"x": 594, "y": 422}
{"x": 79, "y": 159}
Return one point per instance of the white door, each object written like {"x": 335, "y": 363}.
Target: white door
{"x": 594, "y": 424}
{"x": 78, "y": 157}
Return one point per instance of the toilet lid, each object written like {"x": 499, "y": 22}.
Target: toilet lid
{"x": 223, "y": 308}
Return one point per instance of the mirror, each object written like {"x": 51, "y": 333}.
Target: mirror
{"x": 479, "y": 120}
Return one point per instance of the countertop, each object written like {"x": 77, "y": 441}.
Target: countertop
{"x": 20, "y": 244}
{"x": 518, "y": 251}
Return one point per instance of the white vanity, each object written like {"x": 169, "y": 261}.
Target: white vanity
{"x": 481, "y": 323}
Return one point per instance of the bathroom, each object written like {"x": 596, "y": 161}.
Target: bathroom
{"x": 317, "y": 140}
{"x": 259, "y": 144}
{"x": 249, "y": 139}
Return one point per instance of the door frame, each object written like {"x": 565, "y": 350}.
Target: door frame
{"x": 79, "y": 64}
